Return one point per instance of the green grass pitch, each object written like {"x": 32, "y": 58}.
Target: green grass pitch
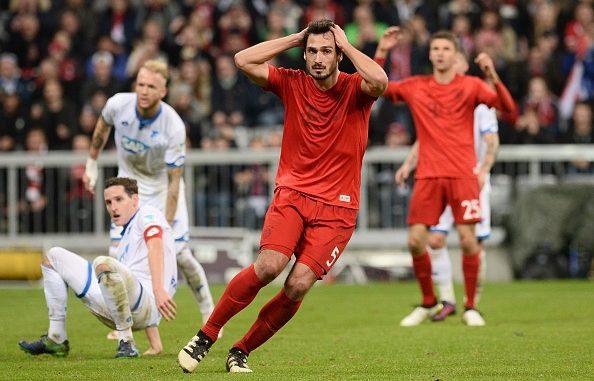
{"x": 535, "y": 331}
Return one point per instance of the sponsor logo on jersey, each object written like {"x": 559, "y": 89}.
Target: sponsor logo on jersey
{"x": 133, "y": 145}
{"x": 125, "y": 123}
{"x": 154, "y": 134}
{"x": 344, "y": 198}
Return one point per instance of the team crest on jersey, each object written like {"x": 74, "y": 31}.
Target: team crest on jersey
{"x": 125, "y": 123}
{"x": 133, "y": 145}
{"x": 149, "y": 219}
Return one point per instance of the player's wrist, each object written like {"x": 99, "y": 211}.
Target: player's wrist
{"x": 91, "y": 170}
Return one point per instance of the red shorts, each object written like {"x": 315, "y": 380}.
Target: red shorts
{"x": 430, "y": 197}
{"x": 315, "y": 232}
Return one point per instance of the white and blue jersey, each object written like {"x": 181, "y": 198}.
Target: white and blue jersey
{"x": 132, "y": 250}
{"x": 485, "y": 122}
{"x": 146, "y": 148}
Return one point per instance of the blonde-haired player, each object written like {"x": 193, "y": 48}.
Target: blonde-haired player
{"x": 150, "y": 140}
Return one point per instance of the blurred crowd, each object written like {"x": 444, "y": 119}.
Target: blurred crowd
{"x": 60, "y": 60}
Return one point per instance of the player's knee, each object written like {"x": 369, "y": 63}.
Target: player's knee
{"x": 436, "y": 241}
{"x": 102, "y": 264}
{"x": 296, "y": 288}
{"x": 469, "y": 245}
{"x": 269, "y": 265}
{"x": 50, "y": 256}
{"x": 415, "y": 245}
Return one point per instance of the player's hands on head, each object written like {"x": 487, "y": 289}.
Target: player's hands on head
{"x": 339, "y": 36}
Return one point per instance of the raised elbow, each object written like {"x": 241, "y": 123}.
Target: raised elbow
{"x": 240, "y": 60}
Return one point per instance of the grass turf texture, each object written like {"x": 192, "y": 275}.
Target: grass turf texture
{"x": 535, "y": 331}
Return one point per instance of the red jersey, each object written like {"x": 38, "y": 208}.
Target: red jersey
{"x": 443, "y": 117}
{"x": 324, "y": 135}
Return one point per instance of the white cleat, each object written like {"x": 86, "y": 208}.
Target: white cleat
{"x": 473, "y": 318}
{"x": 420, "y": 314}
{"x": 196, "y": 349}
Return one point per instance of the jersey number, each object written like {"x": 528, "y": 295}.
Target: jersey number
{"x": 472, "y": 209}
{"x": 334, "y": 256}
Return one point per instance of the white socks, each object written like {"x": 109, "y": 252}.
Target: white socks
{"x": 442, "y": 273}
{"x": 56, "y": 298}
{"x": 196, "y": 278}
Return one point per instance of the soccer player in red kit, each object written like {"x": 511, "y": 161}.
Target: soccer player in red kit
{"x": 442, "y": 106}
{"x": 314, "y": 208}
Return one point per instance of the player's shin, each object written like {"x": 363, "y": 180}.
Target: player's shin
{"x": 115, "y": 295}
{"x": 56, "y": 297}
{"x": 441, "y": 267}
{"x": 196, "y": 278}
{"x": 481, "y": 276}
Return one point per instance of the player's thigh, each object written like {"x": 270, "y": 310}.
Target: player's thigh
{"x": 325, "y": 238}
{"x": 428, "y": 200}
{"x": 283, "y": 224}
{"x": 134, "y": 289}
{"x": 79, "y": 275}
{"x": 446, "y": 221}
{"x": 463, "y": 197}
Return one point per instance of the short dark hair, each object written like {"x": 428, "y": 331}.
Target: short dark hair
{"x": 317, "y": 27}
{"x": 446, "y": 35}
{"x": 130, "y": 185}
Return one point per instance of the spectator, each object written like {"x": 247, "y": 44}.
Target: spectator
{"x": 11, "y": 81}
{"x": 252, "y": 186}
{"x": 34, "y": 200}
{"x": 56, "y": 115}
{"x": 580, "y": 132}
{"x": 79, "y": 201}
{"x": 118, "y": 22}
{"x": 102, "y": 78}
{"x": 149, "y": 47}
{"x": 27, "y": 41}
{"x": 12, "y": 123}
{"x": 324, "y": 9}
{"x": 538, "y": 122}
{"x": 229, "y": 95}
{"x": 192, "y": 112}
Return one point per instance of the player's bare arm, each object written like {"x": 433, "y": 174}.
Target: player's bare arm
{"x": 174, "y": 176}
{"x": 410, "y": 162}
{"x": 506, "y": 102}
{"x": 154, "y": 339}
{"x": 389, "y": 39}
{"x": 98, "y": 141}
{"x": 253, "y": 61}
{"x": 164, "y": 302}
{"x": 491, "y": 148}
{"x": 375, "y": 80}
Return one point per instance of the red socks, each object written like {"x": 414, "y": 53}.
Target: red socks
{"x": 240, "y": 292}
{"x": 273, "y": 316}
{"x": 422, "y": 268}
{"x": 470, "y": 269}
